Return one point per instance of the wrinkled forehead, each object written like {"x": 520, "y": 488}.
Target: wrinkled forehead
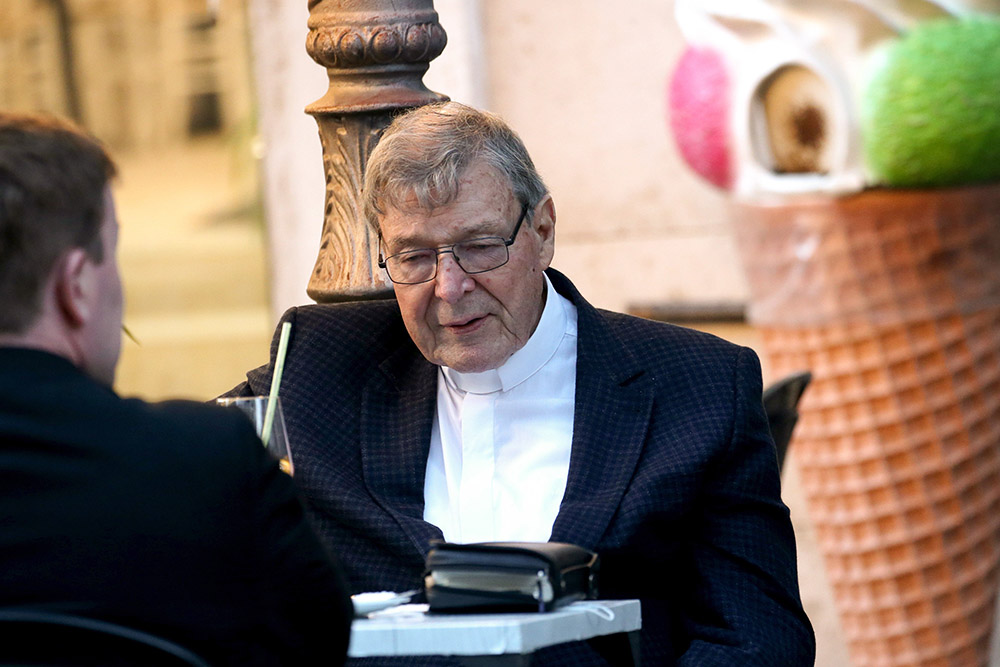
{"x": 482, "y": 205}
{"x": 478, "y": 179}
{"x": 420, "y": 198}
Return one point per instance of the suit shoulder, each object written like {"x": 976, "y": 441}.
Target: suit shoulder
{"x": 373, "y": 310}
{"x": 631, "y": 329}
{"x": 680, "y": 356}
{"x": 358, "y": 323}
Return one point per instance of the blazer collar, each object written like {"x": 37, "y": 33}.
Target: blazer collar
{"x": 32, "y": 365}
{"x": 36, "y": 361}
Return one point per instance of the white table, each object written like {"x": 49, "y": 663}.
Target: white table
{"x": 492, "y": 638}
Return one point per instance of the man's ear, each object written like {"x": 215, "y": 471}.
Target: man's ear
{"x": 544, "y": 225}
{"x": 72, "y": 278}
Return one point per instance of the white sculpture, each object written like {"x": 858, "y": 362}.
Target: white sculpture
{"x": 796, "y": 74}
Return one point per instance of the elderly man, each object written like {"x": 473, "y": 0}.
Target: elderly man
{"x": 170, "y": 518}
{"x": 489, "y": 401}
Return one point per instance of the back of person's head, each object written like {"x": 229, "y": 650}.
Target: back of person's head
{"x": 53, "y": 177}
{"x": 424, "y": 153}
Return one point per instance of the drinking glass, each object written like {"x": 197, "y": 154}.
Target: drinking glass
{"x": 255, "y": 407}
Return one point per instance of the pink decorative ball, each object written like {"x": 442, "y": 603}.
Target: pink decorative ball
{"x": 698, "y": 104}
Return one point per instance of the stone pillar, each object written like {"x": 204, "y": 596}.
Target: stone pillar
{"x": 375, "y": 53}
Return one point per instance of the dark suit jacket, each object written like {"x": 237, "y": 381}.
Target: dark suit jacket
{"x": 673, "y": 477}
{"x": 169, "y": 517}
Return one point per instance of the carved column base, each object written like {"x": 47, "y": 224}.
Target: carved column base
{"x": 346, "y": 268}
{"x": 375, "y": 53}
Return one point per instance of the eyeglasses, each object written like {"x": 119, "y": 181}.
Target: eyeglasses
{"x": 473, "y": 256}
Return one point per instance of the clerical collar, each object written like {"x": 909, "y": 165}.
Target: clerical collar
{"x": 524, "y": 363}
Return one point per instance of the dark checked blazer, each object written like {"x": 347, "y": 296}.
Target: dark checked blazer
{"x": 169, "y": 518}
{"x": 673, "y": 477}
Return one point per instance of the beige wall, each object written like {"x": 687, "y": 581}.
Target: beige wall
{"x": 583, "y": 82}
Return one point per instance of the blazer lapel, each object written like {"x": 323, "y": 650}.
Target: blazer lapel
{"x": 397, "y": 412}
{"x": 614, "y": 401}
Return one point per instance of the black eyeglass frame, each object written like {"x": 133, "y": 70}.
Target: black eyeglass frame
{"x": 450, "y": 248}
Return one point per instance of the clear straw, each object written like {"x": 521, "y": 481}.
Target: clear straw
{"x": 279, "y": 366}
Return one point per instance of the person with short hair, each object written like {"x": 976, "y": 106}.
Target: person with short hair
{"x": 488, "y": 401}
{"x": 167, "y": 518}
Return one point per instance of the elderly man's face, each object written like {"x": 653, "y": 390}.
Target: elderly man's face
{"x": 473, "y": 323}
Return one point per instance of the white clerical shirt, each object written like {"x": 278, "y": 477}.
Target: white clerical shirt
{"x": 500, "y": 445}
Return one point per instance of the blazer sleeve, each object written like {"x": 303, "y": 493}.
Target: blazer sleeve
{"x": 746, "y": 608}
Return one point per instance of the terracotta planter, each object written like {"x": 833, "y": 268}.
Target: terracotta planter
{"x": 892, "y": 300}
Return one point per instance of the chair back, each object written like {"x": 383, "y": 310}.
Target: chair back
{"x": 50, "y": 639}
{"x": 781, "y": 401}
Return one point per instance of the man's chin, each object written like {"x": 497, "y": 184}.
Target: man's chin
{"x": 472, "y": 360}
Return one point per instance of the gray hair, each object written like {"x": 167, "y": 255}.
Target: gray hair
{"x": 424, "y": 153}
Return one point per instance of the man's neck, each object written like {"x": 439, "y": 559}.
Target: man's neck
{"x": 40, "y": 338}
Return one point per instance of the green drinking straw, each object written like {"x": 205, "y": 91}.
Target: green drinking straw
{"x": 279, "y": 366}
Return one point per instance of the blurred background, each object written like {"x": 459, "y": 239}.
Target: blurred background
{"x": 221, "y": 182}
{"x": 202, "y": 105}
{"x": 168, "y": 87}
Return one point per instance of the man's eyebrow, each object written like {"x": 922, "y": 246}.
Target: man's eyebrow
{"x": 484, "y": 228}
{"x": 404, "y": 243}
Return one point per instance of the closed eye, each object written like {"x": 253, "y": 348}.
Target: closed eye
{"x": 413, "y": 257}
{"x": 477, "y": 245}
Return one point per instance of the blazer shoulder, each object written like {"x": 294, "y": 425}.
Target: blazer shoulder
{"x": 679, "y": 358}
{"x": 601, "y": 329}
{"x": 348, "y": 325}
{"x": 373, "y": 310}
{"x": 656, "y": 336}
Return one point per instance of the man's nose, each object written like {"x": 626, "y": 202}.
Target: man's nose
{"x": 451, "y": 282}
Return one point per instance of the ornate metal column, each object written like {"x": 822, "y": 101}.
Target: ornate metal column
{"x": 375, "y": 53}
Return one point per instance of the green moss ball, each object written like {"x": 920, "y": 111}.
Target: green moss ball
{"x": 931, "y": 107}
